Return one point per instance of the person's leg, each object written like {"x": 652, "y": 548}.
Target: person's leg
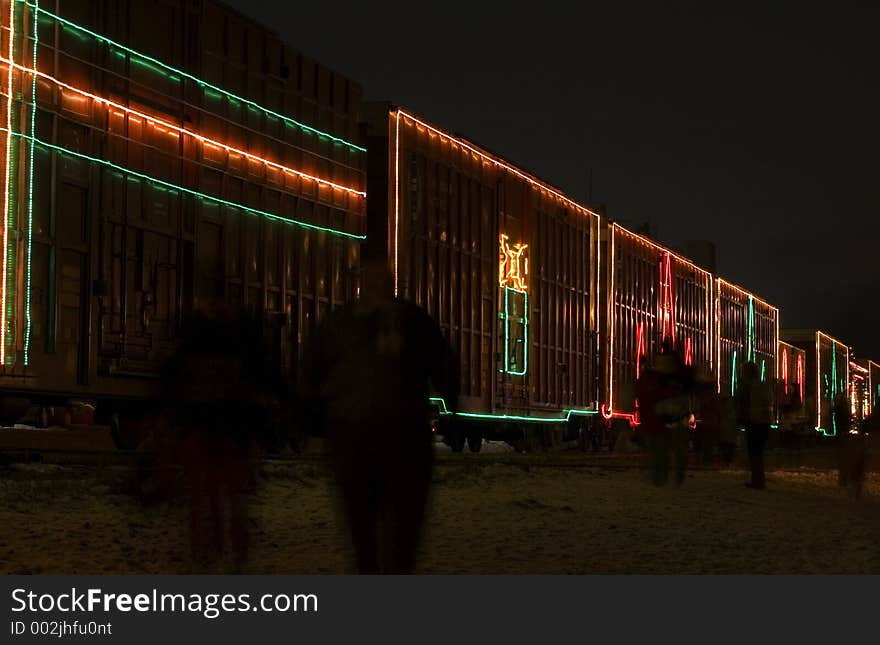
{"x": 752, "y": 449}
{"x": 406, "y": 487}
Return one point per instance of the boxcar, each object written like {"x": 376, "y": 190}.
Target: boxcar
{"x": 873, "y": 383}
{"x": 149, "y": 172}
{"x": 653, "y": 294}
{"x": 747, "y": 330}
{"x": 860, "y": 389}
{"x": 506, "y": 265}
{"x": 827, "y": 365}
{"x": 791, "y": 386}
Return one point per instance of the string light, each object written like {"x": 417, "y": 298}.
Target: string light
{"x": 30, "y": 231}
{"x": 219, "y": 200}
{"x": 800, "y": 376}
{"x": 198, "y": 81}
{"x": 733, "y": 376}
{"x": 498, "y": 162}
{"x": 8, "y": 181}
{"x": 176, "y": 130}
{"x": 441, "y": 403}
{"x": 524, "y": 320}
{"x": 510, "y": 260}
{"x": 640, "y": 346}
{"x": 396, "y": 192}
{"x": 785, "y": 370}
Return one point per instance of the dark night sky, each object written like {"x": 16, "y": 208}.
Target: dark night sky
{"x": 755, "y": 129}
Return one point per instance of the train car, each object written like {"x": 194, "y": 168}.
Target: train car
{"x": 860, "y": 389}
{"x": 747, "y": 330}
{"x": 148, "y": 173}
{"x": 791, "y": 387}
{"x": 653, "y": 295}
{"x": 504, "y": 262}
{"x": 873, "y": 383}
{"x": 827, "y": 369}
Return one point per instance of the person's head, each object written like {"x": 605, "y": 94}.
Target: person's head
{"x": 377, "y": 283}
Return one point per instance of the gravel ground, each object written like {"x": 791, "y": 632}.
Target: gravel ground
{"x": 485, "y": 518}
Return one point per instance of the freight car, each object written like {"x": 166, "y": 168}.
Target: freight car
{"x": 200, "y": 163}
{"x": 507, "y": 266}
{"x": 791, "y": 387}
{"x": 860, "y": 389}
{"x": 747, "y": 330}
{"x": 653, "y": 295}
{"x": 827, "y": 375}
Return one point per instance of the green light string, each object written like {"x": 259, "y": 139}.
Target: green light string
{"x": 733, "y": 376}
{"x": 512, "y": 417}
{"x": 190, "y": 191}
{"x": 30, "y": 232}
{"x": 525, "y": 321}
{"x": 201, "y": 83}
{"x": 763, "y": 369}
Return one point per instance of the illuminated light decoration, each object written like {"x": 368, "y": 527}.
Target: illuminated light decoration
{"x": 833, "y": 383}
{"x": 640, "y": 347}
{"x": 608, "y": 414}
{"x": 688, "y": 351}
{"x": 733, "y": 376}
{"x": 524, "y": 320}
{"x": 800, "y": 376}
{"x": 204, "y": 84}
{"x": 498, "y": 163}
{"x": 396, "y": 191}
{"x": 441, "y": 403}
{"x": 7, "y": 183}
{"x": 176, "y": 131}
{"x": 511, "y": 273}
{"x": 512, "y": 278}
{"x": 667, "y": 299}
{"x": 30, "y": 225}
{"x": 751, "y": 335}
{"x": 763, "y": 370}
{"x": 751, "y": 348}
{"x": 190, "y": 191}
{"x": 785, "y": 370}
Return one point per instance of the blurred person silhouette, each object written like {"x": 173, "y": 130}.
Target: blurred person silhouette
{"x": 368, "y": 372}
{"x": 664, "y": 409}
{"x": 728, "y": 431}
{"x": 841, "y": 414}
{"x": 709, "y": 426}
{"x": 221, "y": 393}
{"x": 754, "y": 412}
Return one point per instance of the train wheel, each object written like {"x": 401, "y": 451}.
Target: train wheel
{"x": 475, "y": 442}
{"x": 456, "y": 441}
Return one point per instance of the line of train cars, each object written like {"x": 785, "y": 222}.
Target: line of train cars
{"x": 205, "y": 164}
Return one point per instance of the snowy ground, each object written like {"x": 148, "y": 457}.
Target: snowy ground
{"x": 486, "y": 517}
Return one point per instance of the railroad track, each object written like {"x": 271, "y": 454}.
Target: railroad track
{"x": 817, "y": 460}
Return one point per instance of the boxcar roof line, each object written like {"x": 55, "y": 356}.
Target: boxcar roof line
{"x": 498, "y": 161}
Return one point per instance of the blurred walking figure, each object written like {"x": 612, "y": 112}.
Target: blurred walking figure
{"x": 728, "y": 431}
{"x": 664, "y": 410}
{"x": 220, "y": 396}
{"x": 754, "y": 412}
{"x": 709, "y": 427}
{"x": 842, "y": 419}
{"x": 367, "y": 378}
